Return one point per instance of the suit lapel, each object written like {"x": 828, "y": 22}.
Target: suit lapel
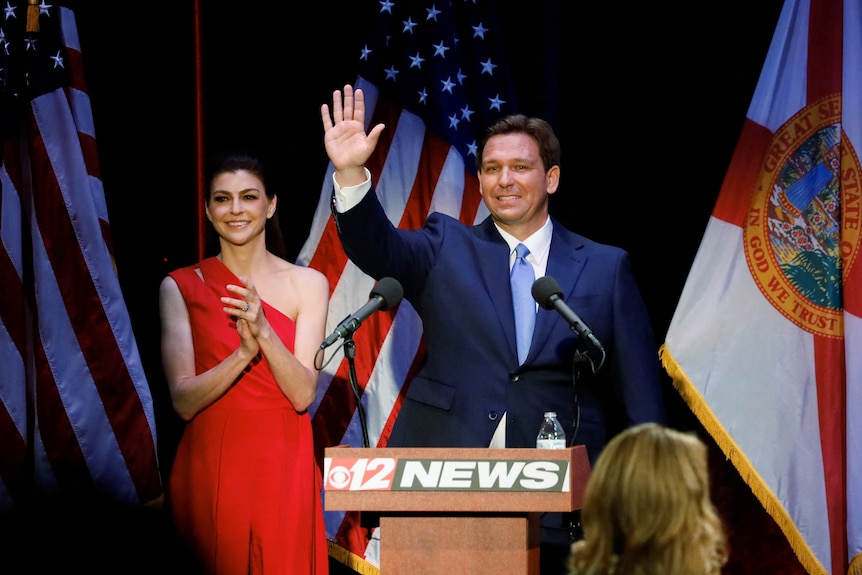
{"x": 493, "y": 257}
{"x": 566, "y": 261}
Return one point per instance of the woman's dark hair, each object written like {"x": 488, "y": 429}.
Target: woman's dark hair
{"x": 233, "y": 162}
{"x": 538, "y": 129}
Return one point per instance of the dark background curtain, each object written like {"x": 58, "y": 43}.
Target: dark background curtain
{"x": 647, "y": 99}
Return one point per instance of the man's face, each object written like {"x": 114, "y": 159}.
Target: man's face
{"x": 514, "y": 183}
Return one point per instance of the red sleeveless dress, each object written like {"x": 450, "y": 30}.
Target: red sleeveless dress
{"x": 244, "y": 488}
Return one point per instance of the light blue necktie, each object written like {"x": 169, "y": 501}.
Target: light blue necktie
{"x": 522, "y": 277}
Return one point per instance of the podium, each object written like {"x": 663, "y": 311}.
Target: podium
{"x": 460, "y": 511}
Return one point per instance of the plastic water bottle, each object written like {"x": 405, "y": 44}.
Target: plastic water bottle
{"x": 551, "y": 433}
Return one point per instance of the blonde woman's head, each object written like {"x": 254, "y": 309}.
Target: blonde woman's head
{"x": 647, "y": 508}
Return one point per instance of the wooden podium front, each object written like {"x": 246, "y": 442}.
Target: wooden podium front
{"x": 456, "y": 511}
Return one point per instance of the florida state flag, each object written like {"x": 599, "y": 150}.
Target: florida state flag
{"x": 765, "y": 344}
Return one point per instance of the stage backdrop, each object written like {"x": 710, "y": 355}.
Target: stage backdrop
{"x": 648, "y": 116}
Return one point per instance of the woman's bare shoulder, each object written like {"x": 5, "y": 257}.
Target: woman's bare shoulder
{"x": 292, "y": 284}
{"x": 298, "y": 273}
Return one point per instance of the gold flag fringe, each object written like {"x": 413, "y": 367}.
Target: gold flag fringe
{"x": 32, "y": 15}
{"x": 855, "y": 566}
{"x": 351, "y": 560}
{"x": 749, "y": 474}
{"x": 157, "y": 504}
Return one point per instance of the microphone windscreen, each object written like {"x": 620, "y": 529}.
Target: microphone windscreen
{"x": 542, "y": 290}
{"x": 389, "y": 290}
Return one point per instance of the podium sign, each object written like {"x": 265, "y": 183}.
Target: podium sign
{"x": 456, "y": 510}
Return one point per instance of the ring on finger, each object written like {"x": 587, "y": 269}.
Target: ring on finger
{"x": 245, "y": 307}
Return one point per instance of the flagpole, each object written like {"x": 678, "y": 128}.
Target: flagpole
{"x": 199, "y": 137}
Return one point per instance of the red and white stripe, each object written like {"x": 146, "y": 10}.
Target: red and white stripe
{"x": 76, "y": 414}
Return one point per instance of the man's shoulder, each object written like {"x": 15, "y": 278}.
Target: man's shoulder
{"x": 441, "y": 220}
{"x": 580, "y": 241}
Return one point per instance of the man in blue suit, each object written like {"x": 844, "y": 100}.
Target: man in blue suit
{"x": 471, "y": 390}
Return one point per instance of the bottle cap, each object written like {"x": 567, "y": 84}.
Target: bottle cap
{"x": 550, "y": 414}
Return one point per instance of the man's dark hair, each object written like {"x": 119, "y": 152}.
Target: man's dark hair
{"x": 537, "y": 128}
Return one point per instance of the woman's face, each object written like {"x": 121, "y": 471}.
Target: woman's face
{"x": 238, "y": 206}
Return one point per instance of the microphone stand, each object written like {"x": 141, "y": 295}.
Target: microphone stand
{"x": 572, "y": 519}
{"x": 350, "y": 354}
{"x": 580, "y": 359}
{"x": 584, "y": 357}
{"x": 367, "y": 520}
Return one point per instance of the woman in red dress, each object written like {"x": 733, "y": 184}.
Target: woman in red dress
{"x": 239, "y": 334}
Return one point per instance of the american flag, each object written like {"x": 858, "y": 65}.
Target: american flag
{"x": 435, "y": 73}
{"x": 766, "y": 340}
{"x": 76, "y": 413}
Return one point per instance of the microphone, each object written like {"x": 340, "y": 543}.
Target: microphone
{"x": 384, "y": 295}
{"x": 548, "y": 293}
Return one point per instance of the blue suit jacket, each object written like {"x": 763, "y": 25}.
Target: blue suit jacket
{"x": 457, "y": 278}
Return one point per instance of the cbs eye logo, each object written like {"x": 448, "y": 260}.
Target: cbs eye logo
{"x": 359, "y": 474}
{"x": 338, "y": 477}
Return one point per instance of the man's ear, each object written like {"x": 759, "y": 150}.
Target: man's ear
{"x": 553, "y": 177}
